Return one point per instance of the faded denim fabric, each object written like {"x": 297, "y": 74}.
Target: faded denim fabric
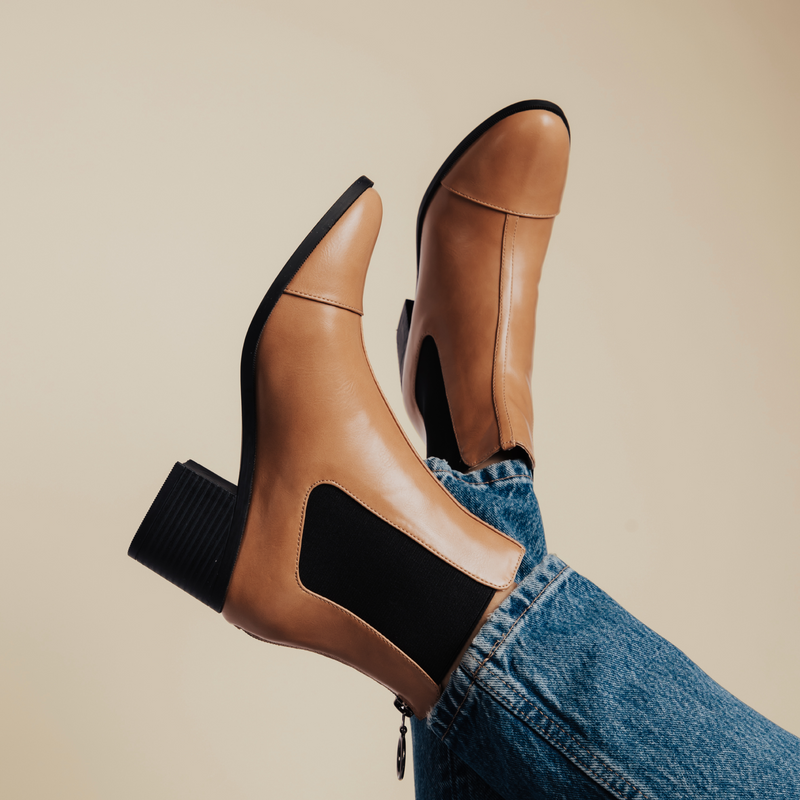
{"x": 563, "y": 694}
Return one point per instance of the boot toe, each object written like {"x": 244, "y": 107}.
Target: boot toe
{"x": 518, "y": 166}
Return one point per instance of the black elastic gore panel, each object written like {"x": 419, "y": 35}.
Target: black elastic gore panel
{"x": 419, "y": 602}
{"x": 429, "y": 392}
{"x": 403, "y": 330}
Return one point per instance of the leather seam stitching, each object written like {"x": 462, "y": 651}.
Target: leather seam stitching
{"x": 510, "y": 439}
{"x": 498, "y": 333}
{"x": 501, "y": 321}
{"x": 322, "y": 299}
{"x": 496, "y": 207}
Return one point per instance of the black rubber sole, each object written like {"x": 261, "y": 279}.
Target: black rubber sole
{"x": 193, "y": 531}
{"x": 440, "y": 434}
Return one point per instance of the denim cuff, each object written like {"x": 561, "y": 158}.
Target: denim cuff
{"x": 495, "y": 472}
{"x": 519, "y": 608}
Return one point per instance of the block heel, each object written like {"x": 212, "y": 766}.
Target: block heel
{"x": 184, "y": 534}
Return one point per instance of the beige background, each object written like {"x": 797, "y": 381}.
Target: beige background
{"x": 159, "y": 161}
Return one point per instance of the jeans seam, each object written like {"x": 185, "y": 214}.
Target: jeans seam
{"x": 450, "y": 775}
{"x": 563, "y": 750}
{"x": 563, "y": 730}
{"x": 477, "y": 483}
{"x": 497, "y": 644}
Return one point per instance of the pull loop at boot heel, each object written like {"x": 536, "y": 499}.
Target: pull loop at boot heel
{"x": 183, "y": 535}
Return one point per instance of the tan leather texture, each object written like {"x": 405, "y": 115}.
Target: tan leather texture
{"x": 323, "y": 419}
{"x": 484, "y": 239}
{"x": 519, "y": 166}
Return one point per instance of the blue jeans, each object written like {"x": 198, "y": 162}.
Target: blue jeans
{"x": 563, "y": 694}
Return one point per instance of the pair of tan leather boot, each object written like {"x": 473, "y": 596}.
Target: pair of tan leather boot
{"x": 338, "y": 539}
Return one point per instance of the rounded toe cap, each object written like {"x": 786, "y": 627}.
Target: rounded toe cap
{"x": 519, "y": 166}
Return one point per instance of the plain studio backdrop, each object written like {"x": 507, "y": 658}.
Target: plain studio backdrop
{"x": 160, "y": 161}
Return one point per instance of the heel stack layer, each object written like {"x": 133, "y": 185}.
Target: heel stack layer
{"x": 184, "y": 534}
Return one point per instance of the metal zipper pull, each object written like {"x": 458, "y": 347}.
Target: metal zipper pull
{"x": 401, "y": 744}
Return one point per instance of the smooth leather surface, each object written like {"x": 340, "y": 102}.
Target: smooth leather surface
{"x": 519, "y": 166}
{"x": 323, "y": 419}
{"x": 484, "y": 239}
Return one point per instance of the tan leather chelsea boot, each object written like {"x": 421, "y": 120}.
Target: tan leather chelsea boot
{"x": 338, "y": 539}
{"x": 465, "y": 343}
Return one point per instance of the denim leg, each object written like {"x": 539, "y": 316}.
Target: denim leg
{"x": 563, "y": 694}
{"x": 503, "y": 496}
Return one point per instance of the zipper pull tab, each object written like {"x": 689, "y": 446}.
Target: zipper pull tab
{"x": 401, "y": 744}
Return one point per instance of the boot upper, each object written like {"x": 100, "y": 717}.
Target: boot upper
{"x": 483, "y": 240}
